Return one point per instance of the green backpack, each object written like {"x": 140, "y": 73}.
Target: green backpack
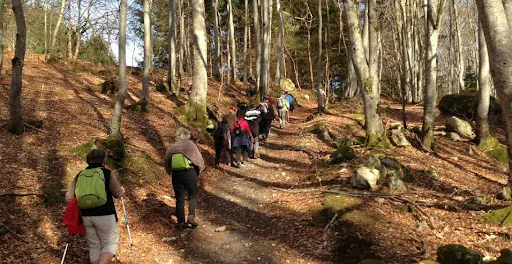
{"x": 90, "y": 189}
{"x": 179, "y": 162}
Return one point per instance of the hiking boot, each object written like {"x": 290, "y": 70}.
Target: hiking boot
{"x": 191, "y": 222}
{"x": 181, "y": 226}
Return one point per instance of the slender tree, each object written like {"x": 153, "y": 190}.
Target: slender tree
{"x": 257, "y": 42}
{"x": 57, "y": 27}
{"x": 70, "y": 31}
{"x": 197, "y": 102}
{"x": 265, "y": 52}
{"x": 231, "y": 30}
{"x": 483, "y": 136}
{"x": 246, "y": 32}
{"x": 216, "y": 37}
{"x": 115, "y": 128}
{"x": 16, "y": 125}
{"x": 2, "y": 35}
{"x": 281, "y": 66}
{"x": 147, "y": 55}
{"x": 435, "y": 9}
{"x": 78, "y": 29}
{"x": 181, "y": 13}
{"x": 319, "y": 72}
{"x": 493, "y": 17}
{"x": 45, "y": 28}
{"x": 171, "y": 67}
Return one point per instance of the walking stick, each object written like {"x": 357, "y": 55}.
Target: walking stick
{"x": 65, "y": 250}
{"x": 129, "y": 233}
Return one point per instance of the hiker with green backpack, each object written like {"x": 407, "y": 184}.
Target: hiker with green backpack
{"x": 184, "y": 163}
{"x": 94, "y": 189}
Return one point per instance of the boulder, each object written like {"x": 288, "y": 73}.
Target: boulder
{"x": 344, "y": 152}
{"x": 365, "y": 178}
{"x": 432, "y": 174}
{"x": 499, "y": 153}
{"x": 502, "y": 217}
{"x": 459, "y": 126}
{"x": 398, "y": 138}
{"x": 287, "y": 84}
{"x": 457, "y": 254}
{"x": 453, "y": 136}
{"x": 465, "y": 105}
{"x": 505, "y": 258}
{"x": 393, "y": 173}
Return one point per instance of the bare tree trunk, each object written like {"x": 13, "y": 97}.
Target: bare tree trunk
{"x": 181, "y": 12}
{"x": 147, "y": 55}
{"x": 57, "y": 27}
{"x": 497, "y": 35}
{"x": 233, "y": 42}
{"x": 483, "y": 136}
{"x": 319, "y": 91}
{"x": 246, "y": 28}
{"x": 171, "y": 69}
{"x": 366, "y": 35}
{"x": 2, "y": 35}
{"x": 115, "y": 128}
{"x": 327, "y": 53}
{"x": 507, "y": 4}
{"x": 216, "y": 36}
{"x": 460, "y": 57}
{"x": 257, "y": 42}
{"x": 78, "y": 30}
{"x": 70, "y": 31}
{"x": 265, "y": 52}
{"x": 45, "y": 27}
{"x": 435, "y": 10}
{"x": 281, "y": 67}
{"x": 311, "y": 73}
{"x": 197, "y": 102}
{"x": 366, "y": 70}
{"x": 15, "y": 117}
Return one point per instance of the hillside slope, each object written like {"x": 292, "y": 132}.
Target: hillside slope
{"x": 265, "y": 212}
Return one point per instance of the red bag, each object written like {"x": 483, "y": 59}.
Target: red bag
{"x": 73, "y": 220}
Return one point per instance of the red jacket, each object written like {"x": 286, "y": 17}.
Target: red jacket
{"x": 72, "y": 219}
{"x": 244, "y": 125}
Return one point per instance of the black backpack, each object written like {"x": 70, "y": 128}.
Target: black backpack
{"x": 238, "y": 129}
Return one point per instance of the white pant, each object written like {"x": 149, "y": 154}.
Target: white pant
{"x": 101, "y": 234}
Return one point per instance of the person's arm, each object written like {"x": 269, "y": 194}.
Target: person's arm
{"x": 115, "y": 188}
{"x": 71, "y": 191}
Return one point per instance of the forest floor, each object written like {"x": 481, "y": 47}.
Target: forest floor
{"x": 269, "y": 211}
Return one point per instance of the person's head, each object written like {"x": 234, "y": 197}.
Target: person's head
{"x": 182, "y": 134}
{"x": 286, "y": 91}
{"x": 232, "y": 110}
{"x": 96, "y": 157}
{"x": 241, "y": 113}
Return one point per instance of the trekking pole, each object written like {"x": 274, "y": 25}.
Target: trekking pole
{"x": 128, "y": 228}
{"x": 65, "y": 250}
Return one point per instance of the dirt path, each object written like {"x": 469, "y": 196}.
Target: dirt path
{"x": 243, "y": 218}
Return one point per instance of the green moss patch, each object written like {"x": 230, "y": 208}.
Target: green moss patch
{"x": 500, "y": 153}
{"x": 82, "y": 150}
{"x": 502, "y": 217}
{"x": 332, "y": 204}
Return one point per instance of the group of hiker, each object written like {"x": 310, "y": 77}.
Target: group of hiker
{"x": 91, "y": 210}
{"x": 238, "y": 136}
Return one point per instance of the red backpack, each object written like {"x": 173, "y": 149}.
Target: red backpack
{"x": 73, "y": 220}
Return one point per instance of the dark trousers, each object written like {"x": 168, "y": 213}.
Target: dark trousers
{"x": 185, "y": 181}
{"x": 221, "y": 151}
{"x": 242, "y": 150}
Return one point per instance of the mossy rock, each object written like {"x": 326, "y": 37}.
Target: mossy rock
{"x": 505, "y": 194}
{"x": 465, "y": 105}
{"x": 457, "y": 254}
{"x": 371, "y": 261}
{"x": 332, "y": 204}
{"x": 505, "y": 258}
{"x": 345, "y": 152}
{"x": 107, "y": 87}
{"x": 489, "y": 144}
{"x": 141, "y": 107}
{"x": 428, "y": 262}
{"x": 500, "y": 154}
{"x": 502, "y": 217}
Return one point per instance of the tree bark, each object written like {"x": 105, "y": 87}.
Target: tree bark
{"x": 70, "y": 44}
{"x": 257, "y": 42}
{"x": 78, "y": 29}
{"x": 181, "y": 12}
{"x": 483, "y": 136}
{"x": 57, "y": 27}
{"x": 460, "y": 57}
{"x": 216, "y": 38}
{"x": 232, "y": 41}
{"x": 197, "y": 101}
{"x": 366, "y": 70}
{"x": 171, "y": 67}
{"x": 265, "y": 52}
{"x": 2, "y": 35}
{"x": 15, "y": 116}
{"x": 246, "y": 28}
{"x": 115, "y": 128}
{"x": 45, "y": 28}
{"x": 435, "y": 9}
{"x": 319, "y": 73}
{"x": 507, "y": 4}
{"x": 147, "y": 54}
{"x": 281, "y": 66}
{"x": 499, "y": 44}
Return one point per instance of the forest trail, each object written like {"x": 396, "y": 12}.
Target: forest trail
{"x": 263, "y": 223}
